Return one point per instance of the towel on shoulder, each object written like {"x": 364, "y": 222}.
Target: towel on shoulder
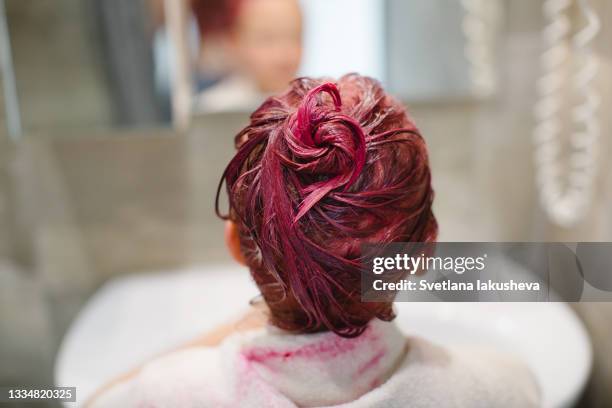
{"x": 380, "y": 368}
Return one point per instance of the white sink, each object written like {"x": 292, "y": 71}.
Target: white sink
{"x": 133, "y": 318}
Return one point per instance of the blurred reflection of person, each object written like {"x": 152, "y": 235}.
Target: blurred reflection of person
{"x": 263, "y": 44}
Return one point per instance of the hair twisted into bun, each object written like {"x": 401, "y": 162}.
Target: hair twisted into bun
{"x": 320, "y": 170}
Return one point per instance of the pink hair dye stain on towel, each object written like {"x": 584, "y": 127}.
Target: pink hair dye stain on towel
{"x": 371, "y": 363}
{"x": 330, "y": 347}
{"x": 248, "y": 381}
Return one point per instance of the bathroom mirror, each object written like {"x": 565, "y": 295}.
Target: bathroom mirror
{"x": 86, "y": 65}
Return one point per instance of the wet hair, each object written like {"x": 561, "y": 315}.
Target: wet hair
{"x": 320, "y": 170}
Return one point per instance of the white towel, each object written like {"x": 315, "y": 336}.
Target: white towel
{"x": 381, "y": 368}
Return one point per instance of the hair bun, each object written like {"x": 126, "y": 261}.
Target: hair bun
{"x": 306, "y": 196}
{"x": 327, "y": 147}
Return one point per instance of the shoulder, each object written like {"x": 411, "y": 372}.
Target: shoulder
{"x": 434, "y": 376}
{"x": 502, "y": 378}
{"x": 485, "y": 377}
{"x": 198, "y": 376}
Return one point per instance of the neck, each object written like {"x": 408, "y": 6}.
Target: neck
{"x": 343, "y": 369}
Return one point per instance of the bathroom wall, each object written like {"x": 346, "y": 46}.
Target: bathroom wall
{"x": 4, "y": 199}
{"x": 96, "y": 207}
{"x": 5, "y": 244}
{"x": 53, "y": 51}
{"x": 25, "y": 325}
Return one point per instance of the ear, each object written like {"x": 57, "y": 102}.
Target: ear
{"x": 232, "y": 240}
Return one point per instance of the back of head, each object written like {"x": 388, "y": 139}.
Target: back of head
{"x": 322, "y": 169}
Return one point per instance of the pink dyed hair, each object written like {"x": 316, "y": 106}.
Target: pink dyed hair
{"x": 320, "y": 170}
{"x": 215, "y": 16}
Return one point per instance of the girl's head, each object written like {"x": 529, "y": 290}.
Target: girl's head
{"x": 320, "y": 170}
{"x": 263, "y": 37}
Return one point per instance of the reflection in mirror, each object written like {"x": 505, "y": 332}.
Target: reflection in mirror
{"x": 141, "y": 63}
{"x": 263, "y": 46}
{"x": 383, "y": 40}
